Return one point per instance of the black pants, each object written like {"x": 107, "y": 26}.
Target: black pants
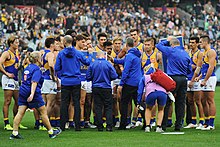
{"x": 180, "y": 102}
{"x": 188, "y": 113}
{"x": 66, "y": 93}
{"x": 103, "y": 97}
{"x": 128, "y": 93}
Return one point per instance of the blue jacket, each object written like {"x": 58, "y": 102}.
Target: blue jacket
{"x": 178, "y": 60}
{"x": 132, "y": 72}
{"x": 101, "y": 73}
{"x": 68, "y": 64}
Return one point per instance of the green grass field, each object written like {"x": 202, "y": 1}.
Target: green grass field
{"x": 91, "y": 137}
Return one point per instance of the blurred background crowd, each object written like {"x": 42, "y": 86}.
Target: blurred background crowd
{"x": 115, "y": 17}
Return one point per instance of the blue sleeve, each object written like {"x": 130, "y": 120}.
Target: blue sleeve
{"x": 84, "y": 60}
{"x": 89, "y": 73}
{"x": 36, "y": 76}
{"x": 58, "y": 65}
{"x": 126, "y": 70}
{"x": 189, "y": 69}
{"x": 164, "y": 48}
{"x": 119, "y": 61}
{"x": 140, "y": 89}
{"x": 113, "y": 74}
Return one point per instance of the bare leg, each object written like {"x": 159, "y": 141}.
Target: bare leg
{"x": 160, "y": 115}
{"x": 18, "y": 117}
{"x": 148, "y": 114}
{"x": 43, "y": 113}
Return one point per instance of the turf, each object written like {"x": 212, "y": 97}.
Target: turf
{"x": 91, "y": 137}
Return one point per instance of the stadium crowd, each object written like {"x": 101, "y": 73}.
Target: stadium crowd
{"x": 104, "y": 27}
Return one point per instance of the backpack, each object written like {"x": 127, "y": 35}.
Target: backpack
{"x": 163, "y": 80}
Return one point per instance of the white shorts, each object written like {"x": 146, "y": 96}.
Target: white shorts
{"x": 196, "y": 86}
{"x": 49, "y": 87}
{"x": 210, "y": 84}
{"x": 87, "y": 86}
{"x": 116, "y": 82}
{"x": 9, "y": 84}
{"x": 58, "y": 85}
{"x": 112, "y": 85}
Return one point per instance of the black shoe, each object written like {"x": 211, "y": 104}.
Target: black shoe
{"x": 100, "y": 129}
{"x": 36, "y": 127}
{"x": 122, "y": 128}
{"x": 176, "y": 129}
{"x": 78, "y": 129}
{"x": 109, "y": 129}
{"x": 15, "y": 137}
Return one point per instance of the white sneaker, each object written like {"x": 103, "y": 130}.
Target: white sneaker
{"x": 67, "y": 125}
{"x": 129, "y": 126}
{"x": 117, "y": 124}
{"x": 147, "y": 129}
{"x": 153, "y": 124}
{"x": 208, "y": 128}
{"x": 160, "y": 130}
{"x": 92, "y": 126}
{"x": 200, "y": 126}
{"x": 191, "y": 126}
{"x": 138, "y": 123}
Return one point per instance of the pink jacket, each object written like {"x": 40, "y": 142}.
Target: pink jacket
{"x": 151, "y": 86}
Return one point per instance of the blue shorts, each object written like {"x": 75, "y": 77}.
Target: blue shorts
{"x": 37, "y": 101}
{"x": 160, "y": 96}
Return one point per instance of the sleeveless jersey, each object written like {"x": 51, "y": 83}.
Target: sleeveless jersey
{"x": 194, "y": 60}
{"x": 205, "y": 65}
{"x": 97, "y": 48}
{"x": 140, "y": 47}
{"x": 45, "y": 66}
{"x": 148, "y": 59}
{"x": 11, "y": 65}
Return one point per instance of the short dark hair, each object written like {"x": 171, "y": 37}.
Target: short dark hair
{"x": 58, "y": 38}
{"x": 70, "y": 32}
{"x": 206, "y": 38}
{"x": 134, "y": 29}
{"x": 85, "y": 35}
{"x": 102, "y": 35}
{"x": 194, "y": 38}
{"x": 49, "y": 41}
{"x": 107, "y": 43}
{"x": 79, "y": 37}
{"x": 11, "y": 39}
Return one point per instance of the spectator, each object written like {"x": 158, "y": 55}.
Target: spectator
{"x": 208, "y": 7}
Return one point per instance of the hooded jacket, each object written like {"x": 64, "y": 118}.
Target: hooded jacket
{"x": 68, "y": 65}
{"x": 132, "y": 72}
{"x": 101, "y": 73}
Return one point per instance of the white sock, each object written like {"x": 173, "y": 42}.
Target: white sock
{"x": 50, "y": 131}
{"x": 15, "y": 133}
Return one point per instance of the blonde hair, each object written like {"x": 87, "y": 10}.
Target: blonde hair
{"x": 34, "y": 56}
{"x": 117, "y": 38}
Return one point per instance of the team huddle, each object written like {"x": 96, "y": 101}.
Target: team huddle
{"x": 62, "y": 96}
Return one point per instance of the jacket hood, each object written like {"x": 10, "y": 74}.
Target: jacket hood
{"x": 69, "y": 52}
{"x": 135, "y": 51}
